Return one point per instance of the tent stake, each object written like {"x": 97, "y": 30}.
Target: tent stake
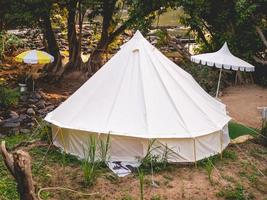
{"x": 218, "y": 85}
{"x": 195, "y": 157}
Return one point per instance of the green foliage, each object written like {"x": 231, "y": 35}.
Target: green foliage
{"x": 59, "y": 16}
{"x": 89, "y": 164}
{"x": 156, "y": 197}
{"x": 44, "y": 131}
{"x": 104, "y": 146}
{"x": 141, "y": 177}
{"x": 9, "y": 43}
{"x": 7, "y": 184}
{"x": 209, "y": 168}
{"x": 207, "y": 77}
{"x": 234, "y": 193}
{"x": 127, "y": 197}
{"x": 8, "y": 97}
{"x": 149, "y": 158}
{"x": 263, "y": 133}
{"x": 226, "y": 156}
{"x": 163, "y": 37}
{"x": 234, "y": 21}
{"x": 236, "y": 130}
{"x": 156, "y": 162}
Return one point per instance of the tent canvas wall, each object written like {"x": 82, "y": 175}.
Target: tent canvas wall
{"x": 139, "y": 95}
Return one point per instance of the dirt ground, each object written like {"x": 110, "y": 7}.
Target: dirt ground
{"x": 240, "y": 169}
{"x": 243, "y": 103}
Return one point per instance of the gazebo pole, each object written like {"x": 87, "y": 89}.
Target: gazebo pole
{"x": 218, "y": 85}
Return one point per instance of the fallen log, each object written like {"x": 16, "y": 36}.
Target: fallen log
{"x": 19, "y": 165}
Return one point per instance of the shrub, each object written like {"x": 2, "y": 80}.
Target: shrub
{"x": 209, "y": 168}
{"x": 9, "y": 43}
{"x": 8, "y": 97}
{"x": 104, "y": 146}
{"x": 89, "y": 164}
{"x": 163, "y": 37}
{"x": 234, "y": 193}
{"x": 156, "y": 162}
{"x": 141, "y": 177}
{"x": 156, "y": 197}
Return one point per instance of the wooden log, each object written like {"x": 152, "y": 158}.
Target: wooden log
{"x": 19, "y": 165}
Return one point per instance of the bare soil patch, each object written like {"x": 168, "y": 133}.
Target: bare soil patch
{"x": 177, "y": 182}
{"x": 243, "y": 102}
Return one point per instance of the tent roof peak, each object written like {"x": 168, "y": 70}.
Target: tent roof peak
{"x": 138, "y": 35}
{"x": 225, "y": 49}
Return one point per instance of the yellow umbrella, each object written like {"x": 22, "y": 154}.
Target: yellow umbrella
{"x": 34, "y": 57}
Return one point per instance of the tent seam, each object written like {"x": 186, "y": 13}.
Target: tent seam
{"x": 167, "y": 92}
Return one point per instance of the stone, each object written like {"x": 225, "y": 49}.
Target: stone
{"x": 23, "y": 98}
{"x": 49, "y": 108}
{"x": 41, "y": 104}
{"x": 23, "y": 117}
{"x": 12, "y": 120}
{"x": 25, "y": 131}
{"x": 13, "y": 114}
{"x": 33, "y": 106}
{"x": 11, "y": 124}
{"x": 30, "y": 111}
{"x": 37, "y": 95}
{"x": 30, "y": 124}
{"x": 241, "y": 139}
{"x": 31, "y": 100}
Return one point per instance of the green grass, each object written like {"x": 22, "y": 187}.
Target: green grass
{"x": 236, "y": 130}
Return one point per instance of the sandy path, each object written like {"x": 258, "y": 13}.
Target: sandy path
{"x": 242, "y": 103}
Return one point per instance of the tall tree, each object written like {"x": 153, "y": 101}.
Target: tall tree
{"x": 140, "y": 14}
{"x": 242, "y": 23}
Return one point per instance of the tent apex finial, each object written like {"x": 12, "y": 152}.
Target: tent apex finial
{"x": 138, "y": 34}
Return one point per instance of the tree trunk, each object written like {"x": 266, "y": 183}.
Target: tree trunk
{"x": 52, "y": 45}
{"x": 19, "y": 165}
{"x": 74, "y": 45}
{"x": 96, "y": 58}
{"x": 1, "y": 24}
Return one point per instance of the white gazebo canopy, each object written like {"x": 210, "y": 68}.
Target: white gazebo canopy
{"x": 223, "y": 59}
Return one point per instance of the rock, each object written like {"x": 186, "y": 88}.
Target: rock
{"x": 11, "y": 124}
{"x": 241, "y": 139}
{"x": 31, "y": 100}
{"x": 13, "y": 114}
{"x": 41, "y": 104}
{"x": 33, "y": 106}
{"x": 30, "y": 111}
{"x": 30, "y": 124}
{"x": 37, "y": 95}
{"x": 25, "y": 131}
{"x": 50, "y": 108}
{"x": 23, "y": 98}
{"x": 23, "y": 117}
{"x": 11, "y": 120}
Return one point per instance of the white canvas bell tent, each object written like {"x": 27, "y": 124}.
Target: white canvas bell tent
{"x": 139, "y": 95}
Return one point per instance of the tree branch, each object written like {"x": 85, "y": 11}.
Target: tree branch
{"x": 259, "y": 31}
{"x": 261, "y": 61}
{"x": 8, "y": 159}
